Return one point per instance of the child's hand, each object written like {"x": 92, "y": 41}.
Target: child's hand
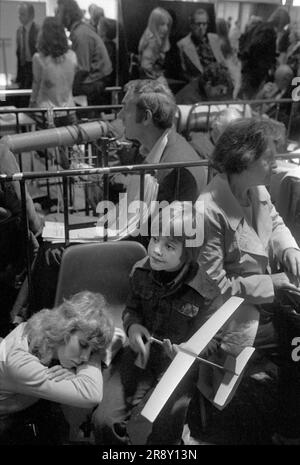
{"x": 170, "y": 349}
{"x": 58, "y": 373}
{"x": 137, "y": 336}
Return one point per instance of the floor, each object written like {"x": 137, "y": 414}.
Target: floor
{"x": 249, "y": 419}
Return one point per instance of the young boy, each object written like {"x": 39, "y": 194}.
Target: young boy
{"x": 170, "y": 298}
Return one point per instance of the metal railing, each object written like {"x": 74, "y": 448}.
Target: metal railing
{"x": 199, "y": 116}
{"x": 113, "y": 90}
{"x": 189, "y": 118}
{"x": 104, "y": 172}
{"x": 65, "y": 175}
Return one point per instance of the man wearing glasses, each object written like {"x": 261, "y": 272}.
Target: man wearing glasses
{"x": 199, "y": 49}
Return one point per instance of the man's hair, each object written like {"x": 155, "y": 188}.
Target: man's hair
{"x": 85, "y": 311}
{"x": 30, "y": 8}
{"x": 178, "y": 220}
{"x": 96, "y": 12}
{"x": 217, "y": 74}
{"x": 71, "y": 9}
{"x": 279, "y": 18}
{"x": 155, "y": 96}
{"x": 243, "y": 142}
{"x": 52, "y": 39}
{"x": 198, "y": 12}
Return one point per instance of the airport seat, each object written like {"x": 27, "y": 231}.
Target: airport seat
{"x": 99, "y": 267}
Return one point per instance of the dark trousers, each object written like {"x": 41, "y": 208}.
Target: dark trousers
{"x": 43, "y": 423}
{"x": 25, "y": 77}
{"x": 284, "y": 327}
{"x": 45, "y": 277}
{"x": 287, "y": 324}
{"x": 94, "y": 91}
{"x": 127, "y": 388}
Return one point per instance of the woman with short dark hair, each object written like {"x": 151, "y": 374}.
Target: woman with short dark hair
{"x": 243, "y": 234}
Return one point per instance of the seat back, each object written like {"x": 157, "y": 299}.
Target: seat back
{"x": 288, "y": 202}
{"x": 102, "y": 267}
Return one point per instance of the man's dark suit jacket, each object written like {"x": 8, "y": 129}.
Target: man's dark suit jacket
{"x": 33, "y": 34}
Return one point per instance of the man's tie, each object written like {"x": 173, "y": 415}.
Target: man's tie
{"x": 23, "y": 46}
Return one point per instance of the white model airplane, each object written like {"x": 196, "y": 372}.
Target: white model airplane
{"x": 233, "y": 366}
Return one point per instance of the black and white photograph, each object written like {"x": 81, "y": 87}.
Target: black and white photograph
{"x": 149, "y": 227}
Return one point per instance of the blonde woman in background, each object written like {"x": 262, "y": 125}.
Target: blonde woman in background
{"x": 154, "y": 44}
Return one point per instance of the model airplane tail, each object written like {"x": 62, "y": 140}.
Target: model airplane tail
{"x": 231, "y": 381}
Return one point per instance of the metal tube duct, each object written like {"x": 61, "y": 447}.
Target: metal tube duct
{"x": 62, "y": 136}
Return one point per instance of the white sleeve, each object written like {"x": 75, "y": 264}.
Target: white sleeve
{"x": 28, "y": 376}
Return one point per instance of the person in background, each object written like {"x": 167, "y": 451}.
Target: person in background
{"x": 170, "y": 298}
{"x": 280, "y": 19}
{"x": 281, "y": 88}
{"x": 199, "y": 49}
{"x": 258, "y": 51}
{"x": 54, "y": 356}
{"x": 26, "y": 42}
{"x": 204, "y": 142}
{"x": 231, "y": 61}
{"x": 292, "y": 56}
{"x": 54, "y": 68}
{"x": 113, "y": 36}
{"x": 154, "y": 44}
{"x": 214, "y": 84}
{"x": 96, "y": 14}
{"x": 94, "y": 65}
{"x": 229, "y": 23}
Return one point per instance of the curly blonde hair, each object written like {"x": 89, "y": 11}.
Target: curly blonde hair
{"x": 85, "y": 311}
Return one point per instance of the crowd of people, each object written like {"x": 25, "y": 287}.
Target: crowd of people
{"x": 225, "y": 64}
{"x": 55, "y": 354}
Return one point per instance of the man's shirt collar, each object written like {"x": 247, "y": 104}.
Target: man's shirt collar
{"x": 155, "y": 154}
{"x": 28, "y": 26}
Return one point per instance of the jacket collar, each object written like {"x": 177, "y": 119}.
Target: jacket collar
{"x": 156, "y": 153}
{"x": 75, "y": 25}
{"x": 223, "y": 196}
{"x": 191, "y": 275}
{"x": 191, "y": 51}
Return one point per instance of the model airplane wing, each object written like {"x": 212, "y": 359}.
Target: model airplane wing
{"x": 183, "y": 361}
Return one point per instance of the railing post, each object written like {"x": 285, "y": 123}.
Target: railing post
{"x": 66, "y": 210}
{"x": 26, "y": 238}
